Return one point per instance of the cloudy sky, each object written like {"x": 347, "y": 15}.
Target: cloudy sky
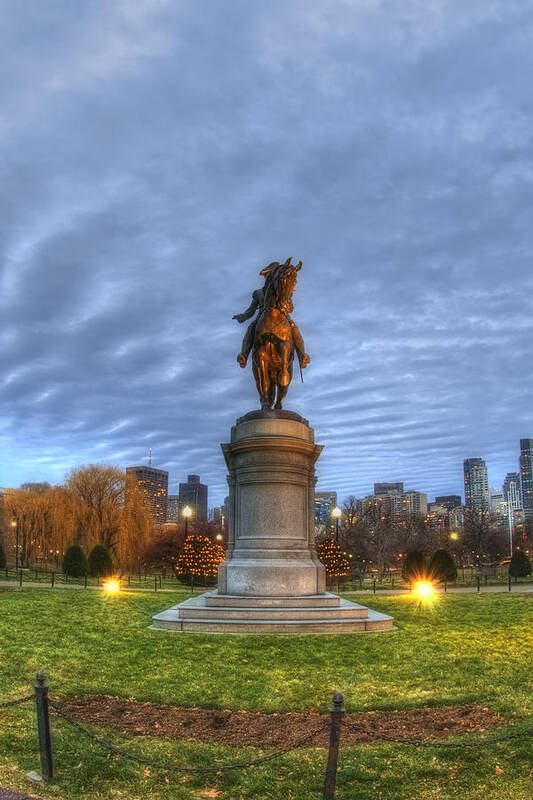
{"x": 156, "y": 154}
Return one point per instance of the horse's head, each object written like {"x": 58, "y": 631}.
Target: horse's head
{"x": 281, "y": 281}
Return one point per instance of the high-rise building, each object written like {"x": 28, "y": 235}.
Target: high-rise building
{"x": 392, "y": 501}
{"x": 153, "y": 483}
{"x": 387, "y": 488}
{"x": 526, "y": 476}
{"x": 449, "y": 501}
{"x": 513, "y": 497}
{"x": 476, "y": 484}
{"x": 194, "y": 494}
{"x": 497, "y": 503}
{"x": 325, "y": 502}
{"x": 173, "y": 508}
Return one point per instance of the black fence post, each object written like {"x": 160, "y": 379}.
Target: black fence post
{"x": 374, "y": 586}
{"x": 445, "y": 585}
{"x": 20, "y": 578}
{"x": 337, "y": 713}
{"x": 478, "y": 583}
{"x": 53, "y": 579}
{"x": 43, "y": 726}
{"x": 510, "y": 582}
{"x": 155, "y": 583}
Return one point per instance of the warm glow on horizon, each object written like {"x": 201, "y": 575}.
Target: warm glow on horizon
{"x": 112, "y": 587}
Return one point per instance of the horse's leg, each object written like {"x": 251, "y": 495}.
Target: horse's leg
{"x": 264, "y": 379}
{"x": 282, "y": 390}
{"x": 285, "y": 349}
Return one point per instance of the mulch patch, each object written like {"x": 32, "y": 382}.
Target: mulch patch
{"x": 255, "y": 729}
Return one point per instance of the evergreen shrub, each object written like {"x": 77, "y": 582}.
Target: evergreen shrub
{"x": 75, "y": 562}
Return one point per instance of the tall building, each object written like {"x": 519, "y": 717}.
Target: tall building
{"x": 325, "y": 502}
{"x": 449, "y": 501}
{"x": 526, "y": 476}
{"x": 513, "y": 497}
{"x": 387, "y": 488}
{"x": 153, "y": 483}
{"x": 392, "y": 501}
{"x": 173, "y": 508}
{"x": 497, "y": 502}
{"x": 476, "y": 483}
{"x": 194, "y": 494}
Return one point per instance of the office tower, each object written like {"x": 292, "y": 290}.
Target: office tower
{"x": 476, "y": 484}
{"x": 497, "y": 502}
{"x": 449, "y": 501}
{"x": 194, "y": 494}
{"x": 387, "y": 488}
{"x": 325, "y": 502}
{"x": 526, "y": 476}
{"x": 153, "y": 483}
{"x": 513, "y": 497}
{"x": 395, "y": 502}
{"x": 173, "y": 507}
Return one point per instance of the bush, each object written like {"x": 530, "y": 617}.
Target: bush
{"x": 520, "y": 566}
{"x": 75, "y": 562}
{"x": 442, "y": 566}
{"x": 2, "y": 557}
{"x": 199, "y": 558}
{"x": 100, "y": 563}
{"x": 332, "y": 556}
{"x": 414, "y": 567}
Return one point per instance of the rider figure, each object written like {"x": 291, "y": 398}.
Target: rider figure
{"x": 258, "y": 298}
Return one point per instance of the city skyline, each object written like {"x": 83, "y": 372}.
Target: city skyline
{"x": 151, "y": 169}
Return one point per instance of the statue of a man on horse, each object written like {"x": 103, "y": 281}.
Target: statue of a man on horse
{"x": 273, "y": 335}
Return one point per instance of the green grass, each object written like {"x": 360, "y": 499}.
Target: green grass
{"x": 473, "y": 649}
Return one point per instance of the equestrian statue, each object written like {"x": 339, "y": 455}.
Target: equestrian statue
{"x": 273, "y": 337}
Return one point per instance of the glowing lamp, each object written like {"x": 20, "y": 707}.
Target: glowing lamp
{"x": 424, "y": 589}
{"x": 187, "y": 511}
{"x": 112, "y": 587}
{"x": 454, "y": 535}
{"x": 336, "y": 512}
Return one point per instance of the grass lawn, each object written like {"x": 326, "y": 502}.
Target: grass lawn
{"x": 463, "y": 649}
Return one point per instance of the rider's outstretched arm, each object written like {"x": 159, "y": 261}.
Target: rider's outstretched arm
{"x": 250, "y": 311}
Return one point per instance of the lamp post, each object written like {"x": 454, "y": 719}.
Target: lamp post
{"x": 336, "y": 513}
{"x": 187, "y": 512}
{"x": 14, "y": 525}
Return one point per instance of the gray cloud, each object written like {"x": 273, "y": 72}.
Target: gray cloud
{"x": 157, "y": 154}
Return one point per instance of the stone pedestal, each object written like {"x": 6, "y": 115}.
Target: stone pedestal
{"x": 271, "y": 550}
{"x": 271, "y": 580}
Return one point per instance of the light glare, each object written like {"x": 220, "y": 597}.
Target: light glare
{"x": 424, "y": 589}
{"x": 112, "y": 587}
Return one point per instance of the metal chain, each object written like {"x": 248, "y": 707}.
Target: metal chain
{"x": 18, "y": 702}
{"x": 431, "y": 743}
{"x": 172, "y": 767}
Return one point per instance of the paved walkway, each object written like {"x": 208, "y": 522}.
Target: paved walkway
{"x": 519, "y": 588}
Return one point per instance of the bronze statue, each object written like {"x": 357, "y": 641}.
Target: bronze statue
{"x": 273, "y": 335}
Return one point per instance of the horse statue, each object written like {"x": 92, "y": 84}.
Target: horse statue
{"x": 273, "y": 337}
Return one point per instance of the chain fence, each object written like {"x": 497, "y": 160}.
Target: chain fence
{"x": 335, "y": 724}
{"x": 145, "y": 762}
{"x": 376, "y": 737}
{"x": 18, "y": 702}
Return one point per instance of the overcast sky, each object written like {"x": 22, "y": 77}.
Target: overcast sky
{"x": 156, "y": 154}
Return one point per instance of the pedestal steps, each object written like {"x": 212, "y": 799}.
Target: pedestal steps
{"x": 325, "y": 614}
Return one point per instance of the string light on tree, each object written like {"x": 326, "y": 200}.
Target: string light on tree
{"x": 333, "y": 558}
{"x": 199, "y": 558}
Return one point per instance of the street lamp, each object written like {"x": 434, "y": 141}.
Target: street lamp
{"x": 187, "y": 512}
{"x": 336, "y": 515}
{"x": 14, "y": 525}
